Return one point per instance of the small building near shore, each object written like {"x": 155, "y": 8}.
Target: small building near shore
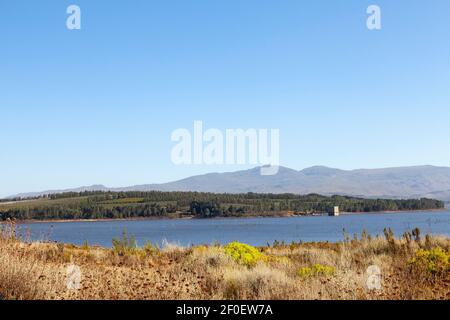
{"x": 334, "y": 212}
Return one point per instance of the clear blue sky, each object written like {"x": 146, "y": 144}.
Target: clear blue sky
{"x": 98, "y": 105}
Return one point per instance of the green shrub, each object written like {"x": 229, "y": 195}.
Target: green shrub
{"x": 125, "y": 245}
{"x": 244, "y": 254}
{"x": 149, "y": 248}
{"x": 316, "y": 270}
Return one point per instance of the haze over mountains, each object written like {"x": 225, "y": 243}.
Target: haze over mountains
{"x": 401, "y": 182}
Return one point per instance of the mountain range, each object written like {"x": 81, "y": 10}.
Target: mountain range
{"x": 400, "y": 182}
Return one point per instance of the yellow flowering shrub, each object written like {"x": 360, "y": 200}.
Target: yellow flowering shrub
{"x": 435, "y": 261}
{"x": 316, "y": 270}
{"x": 244, "y": 254}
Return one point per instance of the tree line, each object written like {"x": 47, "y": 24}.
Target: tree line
{"x": 136, "y": 204}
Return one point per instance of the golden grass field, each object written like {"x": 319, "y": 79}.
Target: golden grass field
{"x": 412, "y": 267}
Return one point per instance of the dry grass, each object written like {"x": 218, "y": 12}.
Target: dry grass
{"x": 38, "y": 271}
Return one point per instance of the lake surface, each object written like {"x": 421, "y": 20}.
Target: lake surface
{"x": 254, "y": 231}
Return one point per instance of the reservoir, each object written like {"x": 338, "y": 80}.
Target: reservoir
{"x": 254, "y": 231}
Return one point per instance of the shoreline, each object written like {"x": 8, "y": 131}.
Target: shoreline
{"x": 206, "y": 272}
{"x": 192, "y": 217}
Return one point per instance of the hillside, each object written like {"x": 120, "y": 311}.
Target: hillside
{"x": 154, "y": 204}
{"x": 401, "y": 182}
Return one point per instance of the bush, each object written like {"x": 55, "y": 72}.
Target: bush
{"x": 244, "y": 254}
{"x": 261, "y": 282}
{"x": 316, "y": 270}
{"x": 435, "y": 261}
{"x": 213, "y": 256}
{"x": 125, "y": 245}
{"x": 149, "y": 248}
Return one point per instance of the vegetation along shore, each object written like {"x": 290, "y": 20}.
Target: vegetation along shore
{"x": 137, "y": 205}
{"x": 413, "y": 266}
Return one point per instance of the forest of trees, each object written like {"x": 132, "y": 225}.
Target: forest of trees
{"x": 119, "y": 205}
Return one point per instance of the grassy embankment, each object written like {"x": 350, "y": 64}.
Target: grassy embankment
{"x": 411, "y": 268}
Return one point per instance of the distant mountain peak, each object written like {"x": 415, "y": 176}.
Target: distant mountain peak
{"x": 402, "y": 182}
